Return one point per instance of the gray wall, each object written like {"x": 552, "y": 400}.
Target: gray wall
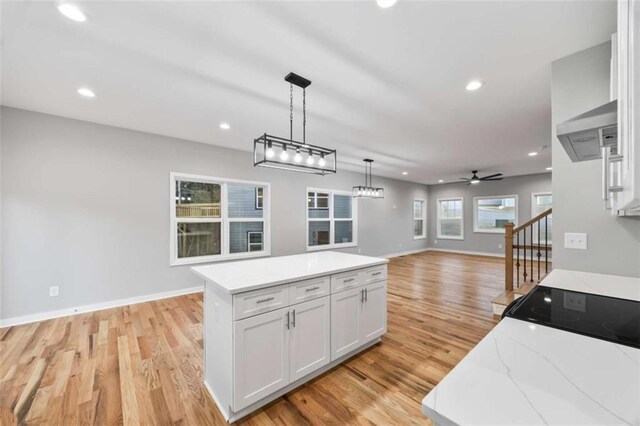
{"x": 86, "y": 207}
{"x": 524, "y": 186}
{"x": 581, "y": 82}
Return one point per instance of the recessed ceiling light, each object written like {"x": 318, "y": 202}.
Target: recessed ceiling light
{"x": 405, "y": 173}
{"x": 474, "y": 85}
{"x": 549, "y": 168}
{"x": 72, "y": 12}
{"x": 386, "y": 3}
{"x": 87, "y": 93}
{"x": 533, "y": 154}
{"x": 225, "y": 126}
{"x": 440, "y": 181}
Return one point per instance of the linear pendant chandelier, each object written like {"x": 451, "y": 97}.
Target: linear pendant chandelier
{"x": 368, "y": 190}
{"x": 287, "y": 154}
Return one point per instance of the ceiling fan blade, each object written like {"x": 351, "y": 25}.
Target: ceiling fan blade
{"x": 491, "y": 176}
{"x": 467, "y": 179}
{"x": 498, "y": 178}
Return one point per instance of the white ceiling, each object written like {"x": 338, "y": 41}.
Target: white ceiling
{"x": 388, "y": 84}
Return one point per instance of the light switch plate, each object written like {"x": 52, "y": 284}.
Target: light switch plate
{"x": 575, "y": 240}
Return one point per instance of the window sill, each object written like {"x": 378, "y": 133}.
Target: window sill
{"x": 441, "y": 237}
{"x": 486, "y": 231}
{"x": 420, "y": 238}
{"x": 331, "y": 246}
{"x": 218, "y": 258}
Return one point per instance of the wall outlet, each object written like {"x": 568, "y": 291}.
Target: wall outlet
{"x": 575, "y": 240}
{"x": 499, "y": 246}
{"x": 54, "y": 291}
{"x": 435, "y": 241}
{"x": 359, "y": 250}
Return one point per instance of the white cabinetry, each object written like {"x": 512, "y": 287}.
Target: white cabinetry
{"x": 260, "y": 344}
{"x": 626, "y": 168}
{"x": 261, "y": 357}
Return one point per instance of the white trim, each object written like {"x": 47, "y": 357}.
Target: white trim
{"x": 533, "y": 199}
{"x": 223, "y": 219}
{"x": 404, "y": 253}
{"x": 469, "y": 252}
{"x": 438, "y": 230}
{"x": 492, "y": 197}
{"x": 422, "y": 236}
{"x": 354, "y": 220}
{"x": 9, "y": 322}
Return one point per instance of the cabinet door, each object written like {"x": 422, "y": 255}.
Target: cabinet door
{"x": 310, "y": 337}
{"x": 261, "y": 357}
{"x": 345, "y": 321}
{"x": 373, "y": 322}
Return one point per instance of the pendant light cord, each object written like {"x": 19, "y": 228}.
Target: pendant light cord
{"x": 290, "y": 111}
{"x": 304, "y": 115}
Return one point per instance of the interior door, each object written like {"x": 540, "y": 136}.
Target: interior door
{"x": 261, "y": 357}
{"x": 374, "y": 312}
{"x": 310, "y": 337}
{"x": 345, "y": 321}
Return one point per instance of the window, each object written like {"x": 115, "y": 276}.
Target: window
{"x": 491, "y": 214}
{"x": 450, "y": 215}
{"x": 540, "y": 203}
{"x": 259, "y": 198}
{"x": 216, "y": 219}
{"x": 331, "y": 219}
{"x": 419, "y": 219}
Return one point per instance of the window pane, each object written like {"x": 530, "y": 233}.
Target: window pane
{"x": 240, "y": 234}
{"x": 242, "y": 201}
{"x": 197, "y": 199}
{"x": 451, "y": 227}
{"x": 417, "y": 228}
{"x": 198, "y": 239}
{"x": 259, "y": 198}
{"x": 451, "y": 208}
{"x": 343, "y": 232}
{"x": 318, "y": 233}
{"x": 417, "y": 209}
{"x": 495, "y": 213}
{"x": 318, "y": 204}
{"x": 342, "y": 206}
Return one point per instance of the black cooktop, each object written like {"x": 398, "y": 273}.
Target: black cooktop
{"x": 606, "y": 318}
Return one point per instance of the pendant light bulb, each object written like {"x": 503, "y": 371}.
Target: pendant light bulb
{"x": 298, "y": 156}
{"x": 270, "y": 152}
{"x": 284, "y": 155}
{"x": 321, "y": 162}
{"x": 310, "y": 159}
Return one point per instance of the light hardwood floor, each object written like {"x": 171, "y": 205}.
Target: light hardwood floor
{"x": 143, "y": 364}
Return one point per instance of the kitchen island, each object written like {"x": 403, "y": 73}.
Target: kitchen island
{"x": 273, "y": 324}
{"x": 523, "y": 373}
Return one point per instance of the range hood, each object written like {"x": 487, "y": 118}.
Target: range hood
{"x": 584, "y": 135}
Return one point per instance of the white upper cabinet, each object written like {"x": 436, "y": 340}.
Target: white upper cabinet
{"x": 627, "y": 79}
{"x": 310, "y": 337}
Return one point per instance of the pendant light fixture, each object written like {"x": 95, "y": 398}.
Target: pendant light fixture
{"x": 287, "y": 154}
{"x": 368, "y": 190}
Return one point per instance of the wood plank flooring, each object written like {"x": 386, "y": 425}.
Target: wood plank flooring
{"x": 143, "y": 364}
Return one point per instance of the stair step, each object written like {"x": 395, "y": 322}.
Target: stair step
{"x": 500, "y": 303}
{"x": 524, "y": 288}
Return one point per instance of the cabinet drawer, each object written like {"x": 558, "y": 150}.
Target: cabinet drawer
{"x": 260, "y": 301}
{"x": 374, "y": 274}
{"x": 309, "y": 289}
{"x": 346, "y": 280}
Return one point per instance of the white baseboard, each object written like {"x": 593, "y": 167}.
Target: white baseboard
{"x": 472, "y": 253}
{"x": 8, "y": 322}
{"x": 404, "y": 253}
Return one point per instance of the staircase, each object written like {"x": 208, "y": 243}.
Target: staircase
{"x": 527, "y": 259}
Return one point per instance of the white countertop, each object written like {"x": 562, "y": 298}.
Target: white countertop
{"x": 246, "y": 275}
{"x": 522, "y": 373}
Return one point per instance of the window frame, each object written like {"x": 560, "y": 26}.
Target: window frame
{"x": 354, "y": 219}
{"x": 422, "y": 236}
{"x": 533, "y": 201}
{"x": 249, "y": 243}
{"x": 492, "y": 197}
{"x": 224, "y": 220}
{"x": 259, "y": 199}
{"x": 438, "y": 219}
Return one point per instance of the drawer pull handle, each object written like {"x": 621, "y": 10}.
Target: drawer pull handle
{"x": 268, "y": 299}
{"x": 312, "y": 288}
{"x": 377, "y": 273}
{"x": 349, "y": 280}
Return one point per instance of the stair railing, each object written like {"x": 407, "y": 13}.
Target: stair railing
{"x": 532, "y": 247}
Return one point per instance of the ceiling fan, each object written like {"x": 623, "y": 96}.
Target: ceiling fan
{"x": 475, "y": 179}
